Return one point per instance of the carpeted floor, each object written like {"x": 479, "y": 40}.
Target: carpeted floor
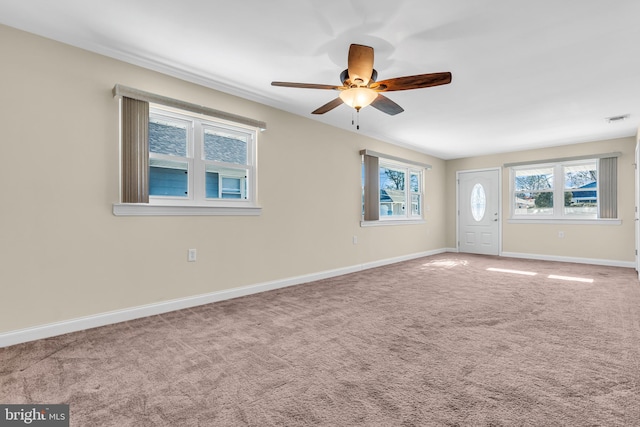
{"x": 439, "y": 341}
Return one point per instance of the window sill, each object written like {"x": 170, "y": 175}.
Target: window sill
{"x": 380, "y": 223}
{"x": 144, "y": 209}
{"x": 599, "y": 221}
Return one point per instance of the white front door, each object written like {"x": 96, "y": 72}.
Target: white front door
{"x": 479, "y": 212}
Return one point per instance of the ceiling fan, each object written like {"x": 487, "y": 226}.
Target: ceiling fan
{"x": 360, "y": 88}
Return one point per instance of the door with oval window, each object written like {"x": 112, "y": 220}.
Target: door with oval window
{"x": 479, "y": 212}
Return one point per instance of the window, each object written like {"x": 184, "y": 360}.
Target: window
{"x": 392, "y": 189}
{"x": 198, "y": 161}
{"x": 478, "y": 202}
{"x": 571, "y": 189}
{"x": 179, "y": 158}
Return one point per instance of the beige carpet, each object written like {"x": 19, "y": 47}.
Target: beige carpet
{"x": 437, "y": 341}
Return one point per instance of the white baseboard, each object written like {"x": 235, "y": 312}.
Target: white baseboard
{"x": 108, "y": 318}
{"x": 608, "y": 262}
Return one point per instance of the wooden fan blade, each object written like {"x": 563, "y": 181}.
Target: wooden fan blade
{"x": 412, "y": 82}
{"x": 386, "y": 105}
{"x": 305, "y": 85}
{"x": 360, "y": 64}
{"x": 328, "y": 106}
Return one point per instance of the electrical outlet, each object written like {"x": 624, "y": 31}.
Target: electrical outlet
{"x": 191, "y": 255}
{"x": 355, "y": 240}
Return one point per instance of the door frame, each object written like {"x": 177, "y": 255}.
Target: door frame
{"x": 636, "y": 213}
{"x": 500, "y": 207}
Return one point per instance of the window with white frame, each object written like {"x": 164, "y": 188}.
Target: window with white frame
{"x": 392, "y": 189}
{"x": 199, "y": 161}
{"x": 569, "y": 189}
{"x": 179, "y": 158}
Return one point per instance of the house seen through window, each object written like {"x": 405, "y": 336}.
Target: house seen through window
{"x": 198, "y": 160}
{"x": 392, "y": 189}
{"x": 395, "y": 195}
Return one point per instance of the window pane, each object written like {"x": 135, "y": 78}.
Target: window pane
{"x": 532, "y": 197}
{"x": 392, "y": 194}
{"x": 231, "y": 188}
{"x": 582, "y": 181}
{"x": 534, "y": 203}
{"x": 227, "y": 147}
{"x": 415, "y": 183}
{"x": 362, "y": 181}
{"x": 534, "y": 179}
{"x": 212, "y": 185}
{"x": 168, "y": 178}
{"x": 582, "y": 203}
{"x": 166, "y": 137}
{"x": 391, "y": 179}
{"x": 580, "y": 176}
{"x": 478, "y": 202}
{"x": 415, "y": 204}
{"x": 225, "y": 183}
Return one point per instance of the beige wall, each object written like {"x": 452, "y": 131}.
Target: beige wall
{"x": 599, "y": 242}
{"x": 65, "y": 255}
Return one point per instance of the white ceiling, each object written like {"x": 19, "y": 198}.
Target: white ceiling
{"x": 526, "y": 74}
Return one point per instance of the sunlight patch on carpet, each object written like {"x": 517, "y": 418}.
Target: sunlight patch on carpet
{"x": 504, "y": 270}
{"x": 569, "y": 278}
{"x": 446, "y": 263}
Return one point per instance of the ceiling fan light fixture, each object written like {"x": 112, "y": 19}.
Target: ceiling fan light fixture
{"x": 360, "y": 88}
{"x": 358, "y": 97}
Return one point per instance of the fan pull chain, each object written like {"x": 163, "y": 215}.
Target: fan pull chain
{"x": 356, "y": 122}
